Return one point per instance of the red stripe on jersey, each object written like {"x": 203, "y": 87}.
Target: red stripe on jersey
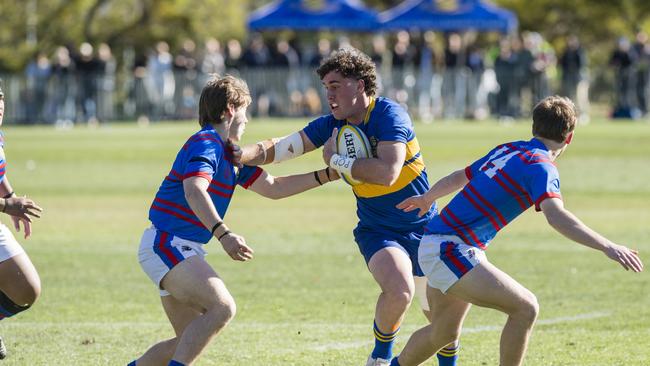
{"x": 3, "y": 165}
{"x": 468, "y": 172}
{"x": 252, "y": 178}
{"x": 518, "y": 187}
{"x": 478, "y": 207}
{"x": 545, "y": 196}
{"x": 202, "y": 138}
{"x": 168, "y": 253}
{"x": 219, "y": 193}
{"x": 512, "y": 193}
{"x": 451, "y": 225}
{"x": 489, "y": 205}
{"x": 467, "y": 228}
{"x": 206, "y": 138}
{"x": 204, "y": 175}
{"x": 221, "y": 185}
{"x": 176, "y": 174}
{"x": 177, "y": 215}
{"x": 529, "y": 158}
{"x": 175, "y": 205}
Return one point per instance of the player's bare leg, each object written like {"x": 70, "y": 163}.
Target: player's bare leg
{"x": 448, "y": 313}
{"x": 488, "y": 286}
{"x": 392, "y": 270}
{"x": 179, "y": 315}
{"x": 194, "y": 283}
{"x": 20, "y": 286}
{"x": 19, "y": 280}
{"x": 448, "y": 355}
{"x": 485, "y": 285}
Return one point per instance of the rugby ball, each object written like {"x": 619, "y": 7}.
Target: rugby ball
{"x": 353, "y": 143}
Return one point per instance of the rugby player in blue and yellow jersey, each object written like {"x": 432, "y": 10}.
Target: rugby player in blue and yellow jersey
{"x": 387, "y": 237}
{"x": 189, "y": 210}
{"x": 495, "y": 190}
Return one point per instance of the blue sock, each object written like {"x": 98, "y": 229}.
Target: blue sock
{"x": 383, "y": 343}
{"x": 175, "y": 363}
{"x": 449, "y": 354}
{"x": 132, "y": 363}
{"x": 395, "y": 362}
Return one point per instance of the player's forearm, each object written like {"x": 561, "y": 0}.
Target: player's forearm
{"x": 277, "y": 149}
{"x": 572, "y": 228}
{"x": 258, "y": 154}
{"x": 287, "y": 186}
{"x": 447, "y": 185}
{"x": 199, "y": 201}
{"x": 376, "y": 171}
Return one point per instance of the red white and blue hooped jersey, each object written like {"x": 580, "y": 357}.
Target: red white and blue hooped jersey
{"x": 204, "y": 155}
{"x": 3, "y": 161}
{"x": 384, "y": 121}
{"x": 503, "y": 184}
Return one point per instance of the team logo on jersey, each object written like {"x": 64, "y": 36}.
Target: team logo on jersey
{"x": 470, "y": 253}
{"x": 555, "y": 183}
{"x": 185, "y": 248}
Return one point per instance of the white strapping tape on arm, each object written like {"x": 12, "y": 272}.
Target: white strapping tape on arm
{"x": 342, "y": 164}
{"x": 288, "y": 147}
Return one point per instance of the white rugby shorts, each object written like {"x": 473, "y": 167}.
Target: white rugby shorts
{"x": 9, "y": 247}
{"x": 160, "y": 251}
{"x": 444, "y": 259}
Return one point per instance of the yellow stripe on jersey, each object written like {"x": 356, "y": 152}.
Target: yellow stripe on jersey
{"x": 371, "y": 106}
{"x": 409, "y": 172}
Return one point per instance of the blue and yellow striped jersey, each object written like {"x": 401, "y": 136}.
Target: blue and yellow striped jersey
{"x": 385, "y": 121}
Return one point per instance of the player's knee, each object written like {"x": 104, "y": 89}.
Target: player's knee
{"x": 31, "y": 293}
{"x": 229, "y": 310}
{"x": 528, "y": 309}
{"x": 402, "y": 297}
{"x": 223, "y": 311}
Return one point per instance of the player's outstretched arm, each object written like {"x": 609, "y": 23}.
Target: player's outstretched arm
{"x": 277, "y": 149}
{"x": 570, "y": 226}
{"x": 196, "y": 194}
{"x": 280, "y": 187}
{"x": 441, "y": 188}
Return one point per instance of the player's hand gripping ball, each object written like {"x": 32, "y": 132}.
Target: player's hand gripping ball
{"x": 353, "y": 143}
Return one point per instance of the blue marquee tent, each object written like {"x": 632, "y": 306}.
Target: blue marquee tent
{"x": 469, "y": 15}
{"x": 347, "y": 15}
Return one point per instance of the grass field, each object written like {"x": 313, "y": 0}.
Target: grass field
{"x": 307, "y": 298}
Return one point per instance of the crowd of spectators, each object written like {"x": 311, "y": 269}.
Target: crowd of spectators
{"x": 436, "y": 76}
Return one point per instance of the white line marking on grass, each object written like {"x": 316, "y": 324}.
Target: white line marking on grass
{"x": 484, "y": 328}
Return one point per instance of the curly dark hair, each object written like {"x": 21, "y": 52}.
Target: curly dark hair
{"x": 351, "y": 63}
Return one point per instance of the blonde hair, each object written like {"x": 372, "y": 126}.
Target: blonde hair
{"x": 217, "y": 94}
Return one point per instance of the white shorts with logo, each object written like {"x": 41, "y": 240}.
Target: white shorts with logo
{"x": 444, "y": 259}
{"x": 160, "y": 251}
{"x": 9, "y": 247}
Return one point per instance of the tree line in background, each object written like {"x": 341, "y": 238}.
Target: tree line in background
{"x": 31, "y": 26}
